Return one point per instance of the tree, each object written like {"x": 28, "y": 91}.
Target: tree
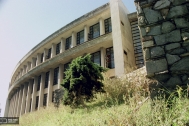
{"x": 82, "y": 80}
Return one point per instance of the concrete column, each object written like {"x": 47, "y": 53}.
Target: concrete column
{"x": 41, "y": 90}
{"x": 62, "y": 48}
{"x": 28, "y": 96}
{"x": 103, "y": 54}
{"x": 21, "y": 71}
{"x": 28, "y": 66}
{"x": 53, "y": 51}
{"x": 45, "y": 54}
{"x": 23, "y": 102}
{"x": 38, "y": 59}
{"x": 12, "y": 107}
{"x": 19, "y": 101}
{"x": 16, "y": 103}
{"x": 34, "y": 95}
{"x": 86, "y": 31}
{"x": 102, "y": 29}
{"x": 50, "y": 86}
{"x": 60, "y": 75}
{"x": 73, "y": 44}
{"x": 33, "y": 63}
{"x": 7, "y": 108}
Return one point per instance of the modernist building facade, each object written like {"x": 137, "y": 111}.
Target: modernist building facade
{"x": 109, "y": 33}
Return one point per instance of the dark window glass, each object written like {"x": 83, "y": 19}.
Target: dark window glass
{"x": 110, "y": 57}
{"x": 68, "y": 43}
{"x": 49, "y": 54}
{"x": 36, "y": 103}
{"x": 66, "y": 66}
{"x": 45, "y": 100}
{"x": 38, "y": 82}
{"x": 53, "y": 96}
{"x": 42, "y": 57}
{"x": 96, "y": 58}
{"x": 95, "y": 31}
{"x": 108, "y": 25}
{"x": 46, "y": 79}
{"x": 80, "y": 37}
{"x": 58, "y": 48}
{"x": 32, "y": 86}
{"x": 56, "y": 70}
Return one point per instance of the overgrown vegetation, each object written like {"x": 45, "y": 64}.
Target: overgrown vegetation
{"x": 83, "y": 79}
{"x": 125, "y": 103}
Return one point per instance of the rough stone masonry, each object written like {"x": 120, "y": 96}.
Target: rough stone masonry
{"x": 164, "y": 29}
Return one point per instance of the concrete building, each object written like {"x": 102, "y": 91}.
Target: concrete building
{"x": 109, "y": 33}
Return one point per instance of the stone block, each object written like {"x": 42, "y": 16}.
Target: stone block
{"x": 185, "y": 36}
{"x": 156, "y": 52}
{"x": 185, "y": 54}
{"x": 184, "y": 78}
{"x": 167, "y": 27}
{"x": 187, "y": 47}
{"x": 177, "y": 11}
{"x": 156, "y": 66}
{"x": 147, "y": 53}
{"x": 141, "y": 21}
{"x": 152, "y": 16}
{"x": 147, "y": 38}
{"x": 177, "y": 51}
{"x": 164, "y": 12}
{"x": 181, "y": 66}
{"x": 179, "y": 2}
{"x": 162, "y": 4}
{"x": 173, "y": 81}
{"x": 162, "y": 77}
{"x": 142, "y": 31}
{"x": 172, "y": 46}
{"x": 148, "y": 44}
{"x": 160, "y": 39}
{"x": 173, "y": 36}
{"x": 155, "y": 30}
{"x": 172, "y": 58}
{"x": 181, "y": 22}
{"x": 185, "y": 43}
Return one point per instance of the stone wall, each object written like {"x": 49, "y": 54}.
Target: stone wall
{"x": 164, "y": 30}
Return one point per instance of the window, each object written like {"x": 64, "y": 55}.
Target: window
{"x": 96, "y": 58}
{"x": 66, "y": 66}
{"x": 80, "y": 37}
{"x": 95, "y": 31}
{"x": 42, "y": 57}
{"x": 46, "y": 79}
{"x": 53, "y": 96}
{"x": 32, "y": 86}
{"x": 49, "y": 54}
{"x": 110, "y": 57}
{"x": 36, "y": 103}
{"x": 58, "y": 48}
{"x": 38, "y": 82}
{"x": 45, "y": 100}
{"x": 55, "y": 81}
{"x": 108, "y": 25}
{"x": 68, "y": 43}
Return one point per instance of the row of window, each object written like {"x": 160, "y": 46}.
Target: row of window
{"x": 94, "y": 32}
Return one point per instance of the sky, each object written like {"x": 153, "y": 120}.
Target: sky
{"x": 25, "y": 23}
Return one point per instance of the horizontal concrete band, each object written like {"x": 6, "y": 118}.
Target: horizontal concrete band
{"x": 57, "y": 59}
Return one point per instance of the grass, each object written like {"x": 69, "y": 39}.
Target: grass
{"x": 125, "y": 103}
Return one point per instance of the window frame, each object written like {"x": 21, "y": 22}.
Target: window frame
{"x": 110, "y": 59}
{"x": 56, "y": 74}
{"x": 78, "y": 37}
{"x": 91, "y": 31}
{"x": 38, "y": 82}
{"x": 58, "y": 48}
{"x": 92, "y": 57}
{"x": 68, "y": 43}
{"x": 46, "y": 79}
{"x": 107, "y": 24}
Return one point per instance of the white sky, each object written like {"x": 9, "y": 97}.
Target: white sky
{"x": 25, "y": 23}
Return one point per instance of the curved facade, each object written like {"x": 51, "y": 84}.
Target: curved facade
{"x": 105, "y": 33}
